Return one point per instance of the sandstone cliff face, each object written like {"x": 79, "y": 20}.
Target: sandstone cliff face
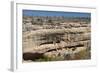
{"x": 56, "y": 38}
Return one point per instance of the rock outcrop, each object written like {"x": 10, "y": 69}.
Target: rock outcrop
{"x": 55, "y": 38}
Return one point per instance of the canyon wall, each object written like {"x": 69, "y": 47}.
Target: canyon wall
{"x": 56, "y": 38}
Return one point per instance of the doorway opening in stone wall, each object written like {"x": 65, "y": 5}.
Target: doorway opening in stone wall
{"x": 55, "y": 36}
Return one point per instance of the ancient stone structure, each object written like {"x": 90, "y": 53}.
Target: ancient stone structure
{"x": 56, "y": 37}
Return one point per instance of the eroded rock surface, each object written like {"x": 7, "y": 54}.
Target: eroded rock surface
{"x": 56, "y": 38}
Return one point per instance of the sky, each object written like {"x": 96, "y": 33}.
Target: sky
{"x": 54, "y": 13}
